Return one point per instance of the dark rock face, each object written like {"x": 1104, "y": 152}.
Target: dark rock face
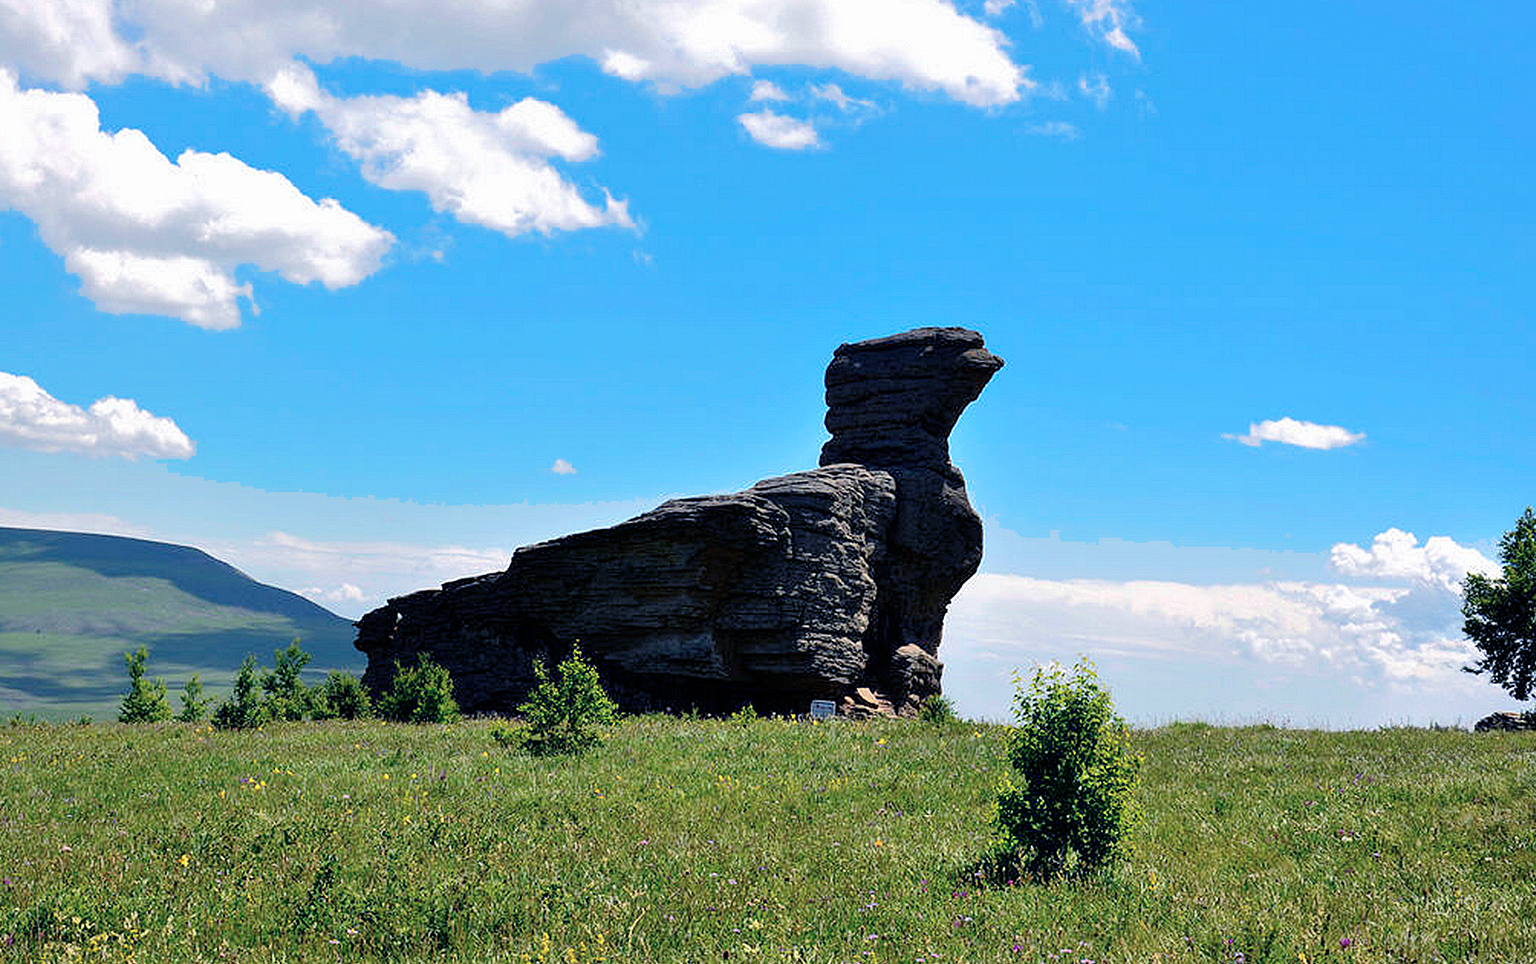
{"x": 1505, "y": 721}
{"x": 808, "y": 586}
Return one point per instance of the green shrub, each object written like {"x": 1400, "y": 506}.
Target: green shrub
{"x": 342, "y": 695}
{"x": 1073, "y": 808}
{"x": 242, "y": 710}
{"x": 144, "y": 702}
{"x": 420, "y": 694}
{"x": 287, "y": 697}
{"x": 508, "y": 735}
{"x": 194, "y": 705}
{"x": 561, "y": 713}
{"x": 937, "y": 709}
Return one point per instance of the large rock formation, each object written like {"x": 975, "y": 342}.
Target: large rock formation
{"x": 809, "y": 586}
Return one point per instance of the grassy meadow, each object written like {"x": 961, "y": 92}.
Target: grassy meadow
{"x": 765, "y": 840}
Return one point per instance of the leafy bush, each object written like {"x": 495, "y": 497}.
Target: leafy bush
{"x": 342, "y": 695}
{"x": 561, "y": 713}
{"x": 420, "y": 694}
{"x": 242, "y": 710}
{"x": 194, "y": 705}
{"x": 287, "y": 697}
{"x": 508, "y": 735}
{"x": 144, "y": 702}
{"x": 937, "y": 709}
{"x": 1073, "y": 808}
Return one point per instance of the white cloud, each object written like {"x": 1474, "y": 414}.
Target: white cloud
{"x": 1058, "y": 129}
{"x": 151, "y": 236}
{"x": 1289, "y": 431}
{"x": 72, "y": 522}
{"x": 345, "y": 593}
{"x": 1109, "y": 19}
{"x": 483, "y": 168}
{"x": 1357, "y": 636}
{"x": 994, "y": 7}
{"x": 925, "y": 44}
{"x": 362, "y": 574}
{"x": 562, "y": 467}
{"x": 767, "y": 90}
{"x": 31, "y": 418}
{"x": 67, "y": 41}
{"x": 777, "y": 130}
{"x": 844, "y": 103}
{"x": 366, "y": 557}
{"x": 1324, "y": 651}
{"x": 1096, "y": 88}
{"x": 1395, "y": 554}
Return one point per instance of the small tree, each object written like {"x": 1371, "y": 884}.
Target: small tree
{"x": 1076, "y": 771}
{"x": 1501, "y": 613}
{"x": 420, "y": 694}
{"x": 194, "y": 705}
{"x": 287, "y": 697}
{"x": 343, "y": 695}
{"x": 242, "y": 710}
{"x": 562, "y": 712}
{"x": 144, "y": 702}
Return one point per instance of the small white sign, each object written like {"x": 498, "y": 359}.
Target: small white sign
{"x": 823, "y": 709}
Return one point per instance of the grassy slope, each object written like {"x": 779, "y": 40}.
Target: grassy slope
{"x": 706, "y": 840}
{"x": 72, "y": 603}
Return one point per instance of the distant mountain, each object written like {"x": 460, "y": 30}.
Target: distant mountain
{"x": 71, "y": 603}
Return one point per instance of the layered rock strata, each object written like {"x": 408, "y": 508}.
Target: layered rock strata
{"x": 1508, "y": 721}
{"x": 814, "y": 585}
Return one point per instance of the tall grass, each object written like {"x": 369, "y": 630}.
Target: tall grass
{"x": 758, "y": 840}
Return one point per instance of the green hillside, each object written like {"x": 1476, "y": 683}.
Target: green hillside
{"x": 71, "y": 603}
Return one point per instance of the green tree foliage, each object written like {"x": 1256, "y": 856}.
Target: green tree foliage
{"x": 343, "y": 695}
{"x": 1501, "y": 613}
{"x": 243, "y": 709}
{"x": 194, "y": 705}
{"x": 1072, "y": 808}
{"x": 287, "y": 698}
{"x": 144, "y": 702}
{"x": 563, "y": 712}
{"x": 420, "y": 694}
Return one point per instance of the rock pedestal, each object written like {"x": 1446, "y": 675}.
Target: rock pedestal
{"x": 823, "y": 584}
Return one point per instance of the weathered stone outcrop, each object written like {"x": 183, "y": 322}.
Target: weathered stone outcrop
{"x": 1508, "y": 721}
{"x": 807, "y": 586}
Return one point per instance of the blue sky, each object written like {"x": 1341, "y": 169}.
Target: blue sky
{"x": 1262, "y": 276}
